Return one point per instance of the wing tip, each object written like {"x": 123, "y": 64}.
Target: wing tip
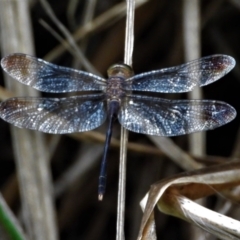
{"x": 221, "y": 64}
{"x": 227, "y": 62}
{"x": 230, "y": 62}
{"x": 4, "y": 62}
{"x": 7, "y": 61}
{"x": 232, "y": 111}
{"x": 228, "y": 112}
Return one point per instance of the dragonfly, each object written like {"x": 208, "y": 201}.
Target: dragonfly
{"x": 121, "y": 96}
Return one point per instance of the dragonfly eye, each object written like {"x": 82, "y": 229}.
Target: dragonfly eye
{"x": 120, "y": 70}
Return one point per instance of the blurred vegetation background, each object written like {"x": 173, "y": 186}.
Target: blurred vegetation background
{"x": 74, "y": 159}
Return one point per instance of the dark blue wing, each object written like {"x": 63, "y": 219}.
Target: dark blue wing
{"x": 48, "y": 77}
{"x": 162, "y": 117}
{"x": 182, "y": 78}
{"x": 55, "y": 115}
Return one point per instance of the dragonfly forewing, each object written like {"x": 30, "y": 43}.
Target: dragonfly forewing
{"x": 162, "y": 117}
{"x": 55, "y": 115}
{"x": 182, "y": 78}
{"x": 48, "y": 77}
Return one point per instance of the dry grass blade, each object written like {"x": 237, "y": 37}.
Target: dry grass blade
{"x": 88, "y": 17}
{"x": 221, "y": 226}
{"x": 236, "y": 3}
{"x": 71, "y": 10}
{"x": 99, "y": 22}
{"x": 58, "y": 37}
{"x": 175, "y": 153}
{"x": 29, "y": 147}
{"x": 170, "y": 196}
{"x": 84, "y": 162}
{"x": 69, "y": 38}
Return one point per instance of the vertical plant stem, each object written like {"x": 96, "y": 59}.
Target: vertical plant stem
{"x": 29, "y": 146}
{"x": 129, "y": 39}
{"x": 192, "y": 49}
{"x": 129, "y": 35}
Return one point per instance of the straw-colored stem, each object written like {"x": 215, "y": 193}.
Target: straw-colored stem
{"x": 192, "y": 49}
{"x": 29, "y": 146}
{"x": 129, "y": 39}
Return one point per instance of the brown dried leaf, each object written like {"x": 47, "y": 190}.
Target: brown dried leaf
{"x": 172, "y": 196}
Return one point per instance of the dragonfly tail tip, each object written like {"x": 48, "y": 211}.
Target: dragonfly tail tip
{"x": 100, "y": 197}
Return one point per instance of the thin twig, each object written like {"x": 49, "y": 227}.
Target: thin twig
{"x": 88, "y": 14}
{"x": 88, "y": 17}
{"x": 88, "y": 66}
{"x": 106, "y": 19}
{"x": 71, "y": 10}
{"x": 57, "y": 36}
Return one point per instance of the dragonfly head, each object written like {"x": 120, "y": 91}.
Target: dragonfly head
{"x": 120, "y": 70}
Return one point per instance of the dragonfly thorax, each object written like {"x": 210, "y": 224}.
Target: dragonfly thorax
{"x": 120, "y": 70}
{"x": 117, "y": 74}
{"x": 115, "y": 91}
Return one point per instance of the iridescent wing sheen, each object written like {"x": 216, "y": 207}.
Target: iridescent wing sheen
{"x": 55, "y": 115}
{"x": 162, "y": 117}
{"x": 182, "y": 78}
{"x": 48, "y": 77}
